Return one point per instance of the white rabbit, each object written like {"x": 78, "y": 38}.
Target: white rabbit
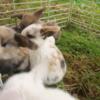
{"x": 51, "y": 55}
{"x": 30, "y": 85}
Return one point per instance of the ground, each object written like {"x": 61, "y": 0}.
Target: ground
{"x": 82, "y": 53}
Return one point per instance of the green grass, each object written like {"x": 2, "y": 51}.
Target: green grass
{"x": 82, "y": 53}
{"x": 79, "y": 43}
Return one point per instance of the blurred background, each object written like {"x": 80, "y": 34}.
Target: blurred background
{"x": 79, "y": 42}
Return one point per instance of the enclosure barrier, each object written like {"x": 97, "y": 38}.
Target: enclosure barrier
{"x": 85, "y": 15}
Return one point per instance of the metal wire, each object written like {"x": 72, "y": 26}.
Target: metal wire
{"x": 61, "y": 12}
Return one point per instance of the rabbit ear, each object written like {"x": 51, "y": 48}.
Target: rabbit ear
{"x": 50, "y": 30}
{"x": 25, "y": 42}
{"x": 39, "y": 13}
{"x": 47, "y": 28}
{"x": 17, "y": 16}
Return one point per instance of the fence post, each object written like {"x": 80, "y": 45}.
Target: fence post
{"x": 48, "y": 6}
{"x": 14, "y": 7}
{"x": 70, "y": 11}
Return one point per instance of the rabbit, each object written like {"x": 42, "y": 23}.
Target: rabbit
{"x": 54, "y": 58}
{"x": 31, "y": 85}
{"x": 7, "y": 33}
{"x": 16, "y": 59}
{"x": 29, "y": 57}
{"x": 42, "y": 29}
{"x": 27, "y": 19}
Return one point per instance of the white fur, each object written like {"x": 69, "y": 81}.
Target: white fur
{"x": 51, "y": 55}
{"x": 1, "y": 83}
{"x": 33, "y": 29}
{"x": 30, "y": 85}
{"x": 37, "y": 28}
{"x": 27, "y": 86}
{"x": 47, "y": 51}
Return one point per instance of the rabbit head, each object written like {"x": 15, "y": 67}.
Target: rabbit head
{"x": 42, "y": 29}
{"x": 27, "y": 19}
{"x": 51, "y": 59}
{"x": 32, "y": 31}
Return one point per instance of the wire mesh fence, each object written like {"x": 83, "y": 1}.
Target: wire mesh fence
{"x": 85, "y": 15}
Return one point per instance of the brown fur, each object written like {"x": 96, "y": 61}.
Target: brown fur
{"x": 13, "y": 60}
{"x": 16, "y": 59}
{"x": 27, "y": 19}
{"x": 6, "y": 35}
{"x": 25, "y": 42}
{"x": 49, "y": 29}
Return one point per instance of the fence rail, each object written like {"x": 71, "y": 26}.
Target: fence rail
{"x": 86, "y": 15}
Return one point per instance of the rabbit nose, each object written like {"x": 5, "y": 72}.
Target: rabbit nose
{"x": 62, "y": 64}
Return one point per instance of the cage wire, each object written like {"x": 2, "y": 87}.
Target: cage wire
{"x": 85, "y": 15}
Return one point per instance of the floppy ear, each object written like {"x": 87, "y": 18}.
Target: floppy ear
{"x": 39, "y": 13}
{"x": 25, "y": 42}
{"x": 17, "y": 16}
{"x": 50, "y": 30}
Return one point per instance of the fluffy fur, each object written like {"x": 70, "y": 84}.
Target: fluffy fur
{"x": 42, "y": 29}
{"x": 32, "y": 31}
{"x": 30, "y": 86}
{"x": 27, "y": 19}
{"x": 13, "y": 60}
{"x": 47, "y": 47}
{"x": 7, "y": 36}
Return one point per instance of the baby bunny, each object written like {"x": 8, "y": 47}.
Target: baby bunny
{"x": 42, "y": 29}
{"x": 27, "y": 19}
{"x": 53, "y": 58}
{"x": 30, "y": 85}
{"x": 20, "y": 59}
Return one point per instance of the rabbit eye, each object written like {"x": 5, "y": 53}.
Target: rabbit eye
{"x": 30, "y": 36}
{"x": 62, "y": 64}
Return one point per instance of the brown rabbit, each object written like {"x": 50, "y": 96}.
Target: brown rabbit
{"x": 15, "y": 59}
{"x": 27, "y": 19}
